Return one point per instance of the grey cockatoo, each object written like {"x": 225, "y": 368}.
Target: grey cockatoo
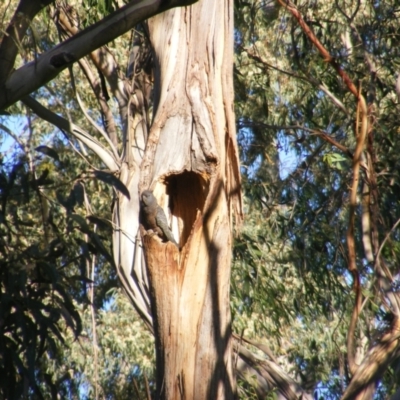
{"x": 152, "y": 217}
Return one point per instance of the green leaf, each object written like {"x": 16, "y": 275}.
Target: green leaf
{"x": 83, "y": 226}
{"x": 48, "y": 151}
{"x": 111, "y": 179}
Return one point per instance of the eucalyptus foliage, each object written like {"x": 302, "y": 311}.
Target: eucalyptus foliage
{"x": 292, "y": 259}
{"x": 60, "y": 335}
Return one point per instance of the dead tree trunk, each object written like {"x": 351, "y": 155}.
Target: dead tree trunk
{"x": 191, "y": 164}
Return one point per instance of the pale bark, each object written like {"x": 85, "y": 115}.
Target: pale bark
{"x": 191, "y": 163}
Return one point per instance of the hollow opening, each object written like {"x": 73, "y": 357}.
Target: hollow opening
{"x": 187, "y": 193}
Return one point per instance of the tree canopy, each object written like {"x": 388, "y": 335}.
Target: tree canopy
{"x": 315, "y": 278}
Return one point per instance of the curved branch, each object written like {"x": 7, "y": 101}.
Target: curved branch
{"x": 97, "y": 127}
{"x": 352, "y": 266}
{"x": 375, "y": 363}
{"x": 270, "y": 373}
{"x": 15, "y": 32}
{"x": 362, "y": 114}
{"x": 105, "y": 64}
{"x": 101, "y": 97}
{"x": 321, "y": 48}
{"x": 61, "y": 123}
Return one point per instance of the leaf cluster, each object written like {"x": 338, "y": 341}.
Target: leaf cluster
{"x": 46, "y": 246}
{"x": 291, "y": 283}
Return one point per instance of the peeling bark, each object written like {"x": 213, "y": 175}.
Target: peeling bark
{"x": 191, "y": 164}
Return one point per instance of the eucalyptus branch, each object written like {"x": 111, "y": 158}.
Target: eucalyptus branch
{"x": 101, "y": 96}
{"x": 90, "y": 119}
{"x": 366, "y": 223}
{"x": 321, "y": 48}
{"x": 377, "y": 360}
{"x": 61, "y": 123}
{"x": 97, "y": 127}
{"x": 104, "y": 64}
{"x": 269, "y": 372}
{"x": 352, "y": 265}
{"x": 362, "y": 114}
{"x": 10, "y": 44}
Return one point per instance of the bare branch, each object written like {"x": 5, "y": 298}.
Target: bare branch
{"x": 100, "y": 94}
{"x": 98, "y": 128}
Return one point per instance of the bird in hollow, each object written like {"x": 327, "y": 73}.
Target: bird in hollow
{"x": 152, "y": 217}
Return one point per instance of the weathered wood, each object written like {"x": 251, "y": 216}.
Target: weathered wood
{"x": 191, "y": 164}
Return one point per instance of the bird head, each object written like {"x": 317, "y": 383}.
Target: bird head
{"x": 147, "y": 197}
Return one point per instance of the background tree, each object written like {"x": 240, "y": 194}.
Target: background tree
{"x": 311, "y": 80}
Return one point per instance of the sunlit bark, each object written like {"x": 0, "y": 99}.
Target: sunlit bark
{"x": 191, "y": 164}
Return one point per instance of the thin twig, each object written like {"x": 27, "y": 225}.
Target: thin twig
{"x": 308, "y": 79}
